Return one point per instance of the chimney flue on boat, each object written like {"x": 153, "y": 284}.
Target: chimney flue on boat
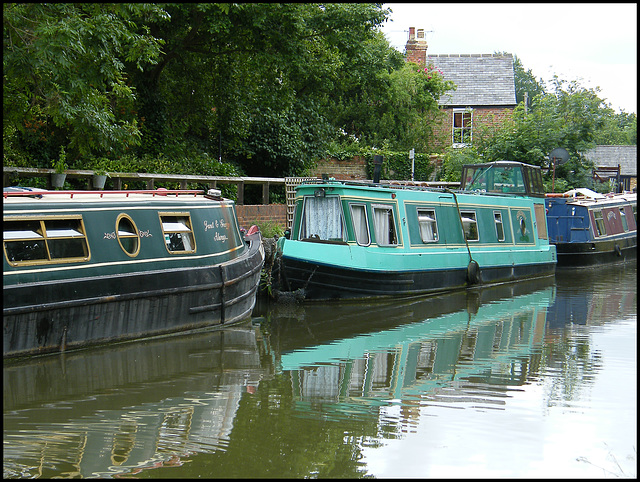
{"x": 377, "y": 162}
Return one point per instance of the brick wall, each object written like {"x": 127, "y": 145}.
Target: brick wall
{"x": 349, "y": 170}
{"x": 416, "y": 47}
{"x": 483, "y": 117}
{"x": 260, "y": 213}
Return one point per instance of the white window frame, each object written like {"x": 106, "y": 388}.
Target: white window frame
{"x": 462, "y": 128}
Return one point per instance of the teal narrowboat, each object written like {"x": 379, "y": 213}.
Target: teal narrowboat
{"x": 367, "y": 240}
{"x": 90, "y": 267}
{"x": 591, "y": 229}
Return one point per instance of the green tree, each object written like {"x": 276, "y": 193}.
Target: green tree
{"x": 526, "y": 82}
{"x": 571, "y": 117}
{"x": 401, "y": 112}
{"x": 618, "y": 129}
{"x": 65, "y": 76}
{"x": 255, "y": 79}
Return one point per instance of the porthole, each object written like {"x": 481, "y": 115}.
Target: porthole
{"x": 128, "y": 236}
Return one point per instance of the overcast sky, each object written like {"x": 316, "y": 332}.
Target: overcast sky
{"x": 593, "y": 43}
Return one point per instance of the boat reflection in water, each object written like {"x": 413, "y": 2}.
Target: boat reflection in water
{"x": 347, "y": 374}
{"x": 407, "y": 353}
{"x": 127, "y": 408}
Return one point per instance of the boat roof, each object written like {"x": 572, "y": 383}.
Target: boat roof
{"x": 584, "y": 192}
{"x": 21, "y": 195}
{"x": 587, "y": 197}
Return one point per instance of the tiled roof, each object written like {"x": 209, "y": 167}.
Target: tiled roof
{"x": 611, "y": 156}
{"x": 481, "y": 79}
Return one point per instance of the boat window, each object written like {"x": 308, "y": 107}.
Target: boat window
{"x": 178, "y": 235}
{"x": 128, "y": 235}
{"x": 322, "y": 219}
{"x": 360, "y": 224}
{"x": 469, "y": 225}
{"x": 600, "y": 228}
{"x": 385, "y": 226}
{"x": 428, "y": 225}
{"x": 623, "y": 218}
{"x": 497, "y": 217}
{"x": 48, "y": 240}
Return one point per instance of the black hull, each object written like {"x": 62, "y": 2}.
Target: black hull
{"x": 321, "y": 282}
{"x": 573, "y": 255}
{"x": 51, "y": 317}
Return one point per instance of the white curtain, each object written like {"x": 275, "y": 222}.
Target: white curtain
{"x": 381, "y": 220}
{"x": 358, "y": 214}
{"x": 322, "y": 217}
{"x": 427, "y": 224}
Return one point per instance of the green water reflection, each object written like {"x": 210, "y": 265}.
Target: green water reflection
{"x": 306, "y": 391}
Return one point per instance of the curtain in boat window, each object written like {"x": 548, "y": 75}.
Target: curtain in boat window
{"x": 384, "y": 225}
{"x": 428, "y": 228}
{"x": 322, "y": 218}
{"x": 359, "y": 216}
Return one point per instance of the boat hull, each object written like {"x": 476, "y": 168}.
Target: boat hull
{"x": 315, "y": 281}
{"x": 595, "y": 253}
{"x": 78, "y": 313}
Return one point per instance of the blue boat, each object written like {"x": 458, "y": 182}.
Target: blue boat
{"x": 82, "y": 268}
{"x": 369, "y": 240}
{"x": 589, "y": 229}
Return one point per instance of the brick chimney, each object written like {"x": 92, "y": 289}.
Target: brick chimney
{"x": 416, "y": 48}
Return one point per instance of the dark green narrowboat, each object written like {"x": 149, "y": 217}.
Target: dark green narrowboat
{"x": 91, "y": 267}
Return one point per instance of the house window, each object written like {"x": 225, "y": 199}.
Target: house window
{"x": 469, "y": 225}
{"x": 428, "y": 225}
{"x": 462, "y": 123}
{"x": 497, "y": 216}
{"x": 385, "y": 226}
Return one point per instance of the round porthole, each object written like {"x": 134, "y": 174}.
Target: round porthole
{"x": 128, "y": 236}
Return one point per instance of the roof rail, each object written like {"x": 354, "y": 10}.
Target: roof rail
{"x": 154, "y": 192}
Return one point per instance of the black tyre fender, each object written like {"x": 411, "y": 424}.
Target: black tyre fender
{"x": 616, "y": 248}
{"x": 473, "y": 273}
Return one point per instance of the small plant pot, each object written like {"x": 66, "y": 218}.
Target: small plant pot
{"x": 98, "y": 181}
{"x": 57, "y": 179}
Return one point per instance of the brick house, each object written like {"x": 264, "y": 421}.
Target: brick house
{"x": 485, "y": 90}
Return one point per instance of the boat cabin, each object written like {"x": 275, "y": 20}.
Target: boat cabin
{"x": 506, "y": 177}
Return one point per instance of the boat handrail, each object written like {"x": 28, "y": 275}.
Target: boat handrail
{"x": 153, "y": 192}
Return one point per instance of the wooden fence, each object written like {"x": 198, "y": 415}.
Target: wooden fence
{"x": 118, "y": 178}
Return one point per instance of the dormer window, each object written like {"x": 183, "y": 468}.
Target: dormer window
{"x": 462, "y": 124}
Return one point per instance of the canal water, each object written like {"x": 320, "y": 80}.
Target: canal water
{"x": 531, "y": 379}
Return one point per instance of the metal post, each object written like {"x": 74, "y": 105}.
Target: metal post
{"x": 411, "y": 156}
